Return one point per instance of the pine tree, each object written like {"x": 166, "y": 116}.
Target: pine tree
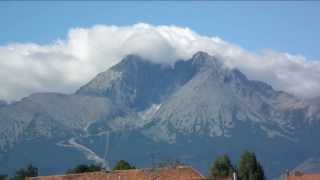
{"x": 21, "y": 174}
{"x": 222, "y": 167}
{"x": 250, "y": 168}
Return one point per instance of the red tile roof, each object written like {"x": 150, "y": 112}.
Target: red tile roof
{"x": 301, "y": 176}
{"x": 177, "y": 173}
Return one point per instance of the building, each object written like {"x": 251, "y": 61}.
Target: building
{"x": 302, "y": 176}
{"x": 176, "y": 173}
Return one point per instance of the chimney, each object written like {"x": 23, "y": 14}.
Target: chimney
{"x": 234, "y": 176}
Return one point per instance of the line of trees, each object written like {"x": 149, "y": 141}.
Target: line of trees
{"x": 21, "y": 174}
{"x": 248, "y": 168}
{"x": 32, "y": 171}
{"x": 83, "y": 168}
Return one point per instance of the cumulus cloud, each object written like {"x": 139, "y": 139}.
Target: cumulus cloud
{"x": 65, "y": 65}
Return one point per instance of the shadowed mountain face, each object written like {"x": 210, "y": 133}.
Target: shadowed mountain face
{"x": 192, "y": 110}
{"x": 137, "y": 83}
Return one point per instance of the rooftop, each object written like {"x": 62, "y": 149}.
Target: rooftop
{"x": 176, "y": 173}
{"x": 303, "y": 176}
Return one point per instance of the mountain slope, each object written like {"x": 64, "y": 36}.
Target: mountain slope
{"x": 217, "y": 98}
{"x": 42, "y": 112}
{"x": 138, "y": 83}
{"x": 168, "y": 110}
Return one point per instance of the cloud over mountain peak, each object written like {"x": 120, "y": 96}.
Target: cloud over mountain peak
{"x": 66, "y": 64}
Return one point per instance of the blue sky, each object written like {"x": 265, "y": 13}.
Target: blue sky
{"x": 282, "y": 26}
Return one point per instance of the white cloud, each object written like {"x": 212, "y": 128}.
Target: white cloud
{"x": 65, "y": 65}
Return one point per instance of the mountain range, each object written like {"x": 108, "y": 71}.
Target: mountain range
{"x": 144, "y": 112}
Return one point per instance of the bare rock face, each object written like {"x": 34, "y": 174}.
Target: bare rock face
{"x": 192, "y": 110}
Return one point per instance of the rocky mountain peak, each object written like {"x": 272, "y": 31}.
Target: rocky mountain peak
{"x": 201, "y": 55}
{"x": 204, "y": 60}
{"x": 131, "y": 61}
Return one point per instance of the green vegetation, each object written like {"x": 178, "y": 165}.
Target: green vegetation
{"x": 222, "y": 167}
{"x": 123, "y": 165}
{"x": 82, "y": 168}
{"x": 29, "y": 171}
{"x": 3, "y": 177}
{"x": 250, "y": 168}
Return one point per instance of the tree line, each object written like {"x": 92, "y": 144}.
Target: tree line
{"x": 248, "y": 168}
{"x": 32, "y": 171}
